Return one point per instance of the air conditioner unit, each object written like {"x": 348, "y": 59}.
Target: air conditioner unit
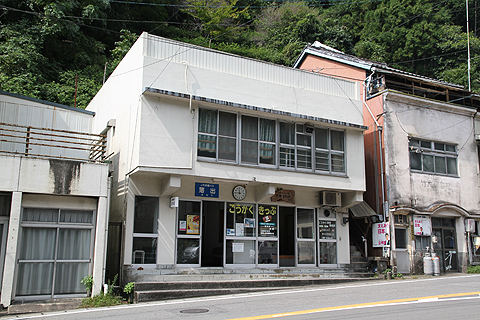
{"x": 330, "y": 199}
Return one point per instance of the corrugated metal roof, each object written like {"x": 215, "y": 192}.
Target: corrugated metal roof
{"x": 362, "y": 210}
{"x": 175, "y": 51}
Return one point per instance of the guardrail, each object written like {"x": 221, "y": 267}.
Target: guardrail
{"x": 52, "y": 143}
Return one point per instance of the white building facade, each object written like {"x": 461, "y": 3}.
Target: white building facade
{"x": 226, "y": 163}
{"x": 53, "y": 201}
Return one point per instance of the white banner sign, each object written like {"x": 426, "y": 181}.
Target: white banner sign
{"x": 422, "y": 226}
{"x": 380, "y": 234}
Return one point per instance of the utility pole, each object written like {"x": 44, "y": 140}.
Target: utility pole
{"x": 468, "y": 45}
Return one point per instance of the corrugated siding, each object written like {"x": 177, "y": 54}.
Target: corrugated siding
{"x": 42, "y": 117}
{"x": 165, "y": 49}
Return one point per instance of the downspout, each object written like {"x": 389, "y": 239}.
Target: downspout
{"x": 378, "y": 129}
{"x": 107, "y": 219}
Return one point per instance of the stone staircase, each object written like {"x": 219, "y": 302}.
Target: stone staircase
{"x": 213, "y": 282}
{"x": 357, "y": 262}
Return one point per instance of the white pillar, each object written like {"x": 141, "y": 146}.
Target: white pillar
{"x": 11, "y": 250}
{"x": 100, "y": 245}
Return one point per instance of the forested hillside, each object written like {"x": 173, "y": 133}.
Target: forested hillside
{"x": 50, "y": 47}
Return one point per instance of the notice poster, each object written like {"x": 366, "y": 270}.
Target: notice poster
{"x": 230, "y": 232}
{"x": 240, "y": 230}
{"x": 238, "y": 247}
{"x": 380, "y": 234}
{"x": 267, "y": 229}
{"x": 193, "y": 224}
{"x": 182, "y": 226}
{"x": 422, "y": 226}
{"x": 249, "y": 223}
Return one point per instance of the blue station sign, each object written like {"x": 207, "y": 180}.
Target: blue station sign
{"x": 206, "y": 190}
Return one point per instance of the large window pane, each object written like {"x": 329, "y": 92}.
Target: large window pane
{"x": 328, "y": 252}
{"x": 267, "y": 221}
{"x": 338, "y": 163}
{"x": 188, "y": 251}
{"x": 267, "y": 252}
{"x": 40, "y": 215}
{"x": 76, "y": 216}
{"x": 226, "y": 149}
{"x": 306, "y": 252}
{"x": 337, "y": 140}
{"x": 440, "y": 165}
{"x": 321, "y": 138}
{"x": 287, "y": 133}
{"x": 241, "y": 220}
{"x": 207, "y": 121}
{"x": 146, "y": 215}
{"x": 188, "y": 211}
{"x": 267, "y": 153}
{"x": 322, "y": 161}
{"x": 241, "y": 252}
{"x": 68, "y": 277}
{"x": 74, "y": 244}
{"x": 250, "y": 152}
{"x": 452, "y": 166}
{"x": 145, "y": 250}
{"x": 249, "y": 128}
{"x": 305, "y": 224}
{"x": 38, "y": 244}
{"x": 287, "y": 157}
{"x": 428, "y": 163}
{"x": 415, "y": 161}
{"x": 400, "y": 238}
{"x": 207, "y": 146}
{"x": 267, "y": 130}
{"x": 227, "y": 124}
{"x": 304, "y": 158}
{"x": 34, "y": 278}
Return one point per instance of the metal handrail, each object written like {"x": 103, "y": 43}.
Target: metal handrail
{"x": 94, "y": 145}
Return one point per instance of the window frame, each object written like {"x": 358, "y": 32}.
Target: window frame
{"x": 287, "y": 155}
{"x": 428, "y": 149}
{"x": 145, "y": 235}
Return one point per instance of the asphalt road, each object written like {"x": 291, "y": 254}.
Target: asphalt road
{"x": 444, "y": 297}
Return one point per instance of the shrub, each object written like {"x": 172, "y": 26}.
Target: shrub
{"x": 473, "y": 269}
{"x": 102, "y": 300}
{"x": 87, "y": 282}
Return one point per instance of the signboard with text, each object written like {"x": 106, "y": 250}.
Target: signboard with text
{"x": 381, "y": 234}
{"x": 208, "y": 190}
{"x": 422, "y": 226}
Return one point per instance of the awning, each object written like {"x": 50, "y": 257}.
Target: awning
{"x": 362, "y": 210}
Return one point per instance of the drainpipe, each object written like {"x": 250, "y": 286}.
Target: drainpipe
{"x": 378, "y": 129}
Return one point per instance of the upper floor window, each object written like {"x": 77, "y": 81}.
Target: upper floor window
{"x": 433, "y": 157}
{"x": 250, "y": 140}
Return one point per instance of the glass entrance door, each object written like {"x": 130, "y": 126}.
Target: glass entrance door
{"x": 213, "y": 214}
{"x": 327, "y": 238}
{"x": 305, "y": 237}
{"x": 445, "y": 246}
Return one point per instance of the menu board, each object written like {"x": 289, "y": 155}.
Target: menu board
{"x": 326, "y": 229}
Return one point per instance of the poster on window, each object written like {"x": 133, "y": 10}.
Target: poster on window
{"x": 422, "y": 226}
{"x": 238, "y": 247}
{"x": 240, "y": 229}
{"x": 381, "y": 234}
{"x": 193, "y": 224}
{"x": 249, "y": 223}
{"x": 182, "y": 226}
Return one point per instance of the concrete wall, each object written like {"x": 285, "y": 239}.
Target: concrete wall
{"x": 410, "y": 116}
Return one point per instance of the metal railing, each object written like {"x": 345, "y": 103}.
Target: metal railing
{"x": 52, "y": 143}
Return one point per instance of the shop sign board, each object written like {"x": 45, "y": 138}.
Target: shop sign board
{"x": 422, "y": 226}
{"x": 380, "y": 234}
{"x": 284, "y": 195}
{"x": 206, "y": 190}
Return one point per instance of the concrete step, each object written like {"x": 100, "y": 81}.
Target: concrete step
{"x": 44, "y": 306}
{"x": 154, "y": 291}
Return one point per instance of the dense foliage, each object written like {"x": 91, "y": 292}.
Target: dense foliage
{"x": 61, "y": 50}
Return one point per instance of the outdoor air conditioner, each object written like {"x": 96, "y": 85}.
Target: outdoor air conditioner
{"x": 330, "y": 199}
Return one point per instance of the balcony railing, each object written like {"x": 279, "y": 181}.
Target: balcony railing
{"x": 52, "y": 143}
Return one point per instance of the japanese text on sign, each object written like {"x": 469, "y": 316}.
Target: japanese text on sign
{"x": 240, "y": 208}
{"x": 380, "y": 234}
{"x": 209, "y": 190}
{"x": 264, "y": 210}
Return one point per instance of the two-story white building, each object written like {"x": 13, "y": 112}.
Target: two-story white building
{"x": 227, "y": 163}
